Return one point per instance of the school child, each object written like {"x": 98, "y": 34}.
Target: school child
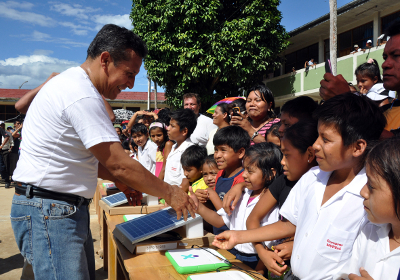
{"x": 210, "y": 171}
{"x": 146, "y": 153}
{"x": 298, "y": 158}
{"x": 159, "y": 136}
{"x": 192, "y": 163}
{"x": 181, "y": 126}
{"x": 298, "y": 109}
{"x": 324, "y": 210}
{"x": 369, "y": 82}
{"x": 261, "y": 166}
{"x": 272, "y": 134}
{"x": 377, "y": 247}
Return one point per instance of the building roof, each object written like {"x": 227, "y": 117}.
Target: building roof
{"x": 15, "y": 94}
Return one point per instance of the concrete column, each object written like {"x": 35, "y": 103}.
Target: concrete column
{"x": 148, "y": 94}
{"x": 377, "y": 27}
{"x": 282, "y": 69}
{"x": 321, "y": 50}
{"x": 155, "y": 95}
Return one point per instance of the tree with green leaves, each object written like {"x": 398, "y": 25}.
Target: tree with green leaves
{"x": 216, "y": 48}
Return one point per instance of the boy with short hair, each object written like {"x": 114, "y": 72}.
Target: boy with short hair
{"x": 192, "y": 161}
{"x": 181, "y": 126}
{"x": 295, "y": 110}
{"x": 146, "y": 148}
{"x": 325, "y": 210}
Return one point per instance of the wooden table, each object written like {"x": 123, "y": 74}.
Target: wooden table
{"x": 121, "y": 264}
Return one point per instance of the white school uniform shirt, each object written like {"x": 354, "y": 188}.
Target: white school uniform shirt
{"x": 324, "y": 234}
{"x": 371, "y": 251}
{"x": 173, "y": 167}
{"x": 237, "y": 220}
{"x": 147, "y": 156}
{"x": 202, "y": 131}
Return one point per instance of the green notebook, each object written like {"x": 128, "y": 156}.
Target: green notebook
{"x": 226, "y": 275}
{"x": 187, "y": 261}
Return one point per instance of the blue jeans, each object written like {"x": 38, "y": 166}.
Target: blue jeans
{"x": 54, "y": 237}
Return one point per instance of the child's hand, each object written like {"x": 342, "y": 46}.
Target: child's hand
{"x": 225, "y": 240}
{"x": 202, "y": 195}
{"x": 271, "y": 260}
{"x": 284, "y": 250}
{"x": 364, "y": 275}
{"x": 193, "y": 196}
{"x": 232, "y": 197}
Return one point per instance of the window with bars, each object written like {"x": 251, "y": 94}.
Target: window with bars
{"x": 298, "y": 58}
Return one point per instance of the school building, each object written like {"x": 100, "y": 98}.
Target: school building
{"x": 134, "y": 101}
{"x": 357, "y": 22}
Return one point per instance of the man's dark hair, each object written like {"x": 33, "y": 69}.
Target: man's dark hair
{"x": 302, "y": 134}
{"x": 194, "y": 156}
{"x": 163, "y": 116}
{"x": 139, "y": 128}
{"x": 355, "y": 117}
{"x": 116, "y": 40}
{"x": 233, "y": 136}
{"x": 192, "y": 95}
{"x": 394, "y": 28}
{"x": 301, "y": 107}
{"x": 185, "y": 118}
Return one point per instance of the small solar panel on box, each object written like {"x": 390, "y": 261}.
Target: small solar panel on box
{"x": 147, "y": 226}
{"x": 115, "y": 199}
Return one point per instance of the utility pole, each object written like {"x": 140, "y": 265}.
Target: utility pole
{"x": 148, "y": 94}
{"x": 155, "y": 95}
{"x": 333, "y": 35}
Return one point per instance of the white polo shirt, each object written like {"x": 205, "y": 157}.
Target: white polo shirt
{"x": 173, "y": 167}
{"x": 237, "y": 220}
{"x": 203, "y": 128}
{"x": 371, "y": 251}
{"x": 147, "y": 156}
{"x": 324, "y": 234}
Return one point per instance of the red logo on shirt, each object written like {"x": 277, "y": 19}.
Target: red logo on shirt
{"x": 173, "y": 168}
{"x": 334, "y": 245}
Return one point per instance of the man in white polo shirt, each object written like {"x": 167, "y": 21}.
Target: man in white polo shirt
{"x": 57, "y": 172}
{"x": 204, "y": 124}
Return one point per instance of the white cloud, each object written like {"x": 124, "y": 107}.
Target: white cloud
{"x": 42, "y": 52}
{"x": 22, "y": 5}
{"x": 77, "y": 29}
{"x": 7, "y": 11}
{"x": 75, "y": 10}
{"x": 35, "y": 69}
{"x": 43, "y": 37}
{"x": 120, "y": 20}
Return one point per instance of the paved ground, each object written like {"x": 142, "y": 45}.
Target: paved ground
{"x": 11, "y": 261}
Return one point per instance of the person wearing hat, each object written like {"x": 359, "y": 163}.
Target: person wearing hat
{"x": 368, "y": 45}
{"x": 356, "y": 49}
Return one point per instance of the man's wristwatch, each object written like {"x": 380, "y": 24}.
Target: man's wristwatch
{"x": 255, "y": 134}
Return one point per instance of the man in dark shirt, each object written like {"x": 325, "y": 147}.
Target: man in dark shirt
{"x": 4, "y": 156}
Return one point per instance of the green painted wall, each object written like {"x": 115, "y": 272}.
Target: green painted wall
{"x": 345, "y": 67}
{"x": 286, "y": 85}
{"x": 375, "y": 55}
{"x": 313, "y": 77}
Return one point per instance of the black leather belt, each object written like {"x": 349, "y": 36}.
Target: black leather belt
{"x": 47, "y": 194}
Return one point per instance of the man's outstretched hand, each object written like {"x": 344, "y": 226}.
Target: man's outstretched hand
{"x": 332, "y": 86}
{"x": 134, "y": 197}
{"x": 180, "y": 202}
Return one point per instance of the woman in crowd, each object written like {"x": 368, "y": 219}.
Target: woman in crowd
{"x": 221, "y": 119}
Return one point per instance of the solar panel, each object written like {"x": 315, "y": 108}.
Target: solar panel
{"x": 147, "y": 226}
{"x": 118, "y": 199}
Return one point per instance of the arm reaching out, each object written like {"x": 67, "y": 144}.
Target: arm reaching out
{"x": 232, "y": 197}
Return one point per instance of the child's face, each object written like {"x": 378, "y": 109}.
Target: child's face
{"x": 294, "y": 163}
{"x": 174, "y": 132}
{"x": 157, "y": 136}
{"x": 226, "y": 157}
{"x": 252, "y": 175}
{"x": 378, "y": 199}
{"x": 210, "y": 174}
{"x": 330, "y": 152}
{"x": 139, "y": 138}
{"x": 271, "y": 138}
{"x": 286, "y": 122}
{"x": 192, "y": 173}
{"x": 365, "y": 83}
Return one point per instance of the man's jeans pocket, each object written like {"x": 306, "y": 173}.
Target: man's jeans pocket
{"x": 22, "y": 227}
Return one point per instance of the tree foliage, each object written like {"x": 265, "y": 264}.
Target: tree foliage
{"x": 209, "y": 46}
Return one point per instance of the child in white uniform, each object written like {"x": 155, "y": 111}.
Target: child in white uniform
{"x": 377, "y": 248}
{"x": 324, "y": 210}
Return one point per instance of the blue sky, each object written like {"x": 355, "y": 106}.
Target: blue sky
{"x": 41, "y": 37}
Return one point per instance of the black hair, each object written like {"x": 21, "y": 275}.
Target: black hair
{"x": 139, "y": 128}
{"x": 210, "y": 161}
{"x": 233, "y": 136}
{"x": 164, "y": 131}
{"x": 274, "y": 130}
{"x": 266, "y": 95}
{"x": 194, "y": 156}
{"x": 384, "y": 159}
{"x": 118, "y": 127}
{"x": 302, "y": 135}
{"x": 116, "y": 40}
{"x": 393, "y": 29}
{"x": 301, "y": 107}
{"x": 192, "y": 95}
{"x": 185, "y": 118}
{"x": 241, "y": 103}
{"x": 163, "y": 116}
{"x": 355, "y": 117}
{"x": 265, "y": 156}
{"x": 225, "y": 109}
{"x": 370, "y": 70}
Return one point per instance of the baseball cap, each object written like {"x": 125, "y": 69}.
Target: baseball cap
{"x": 356, "y": 46}
{"x": 369, "y": 41}
{"x": 1, "y": 122}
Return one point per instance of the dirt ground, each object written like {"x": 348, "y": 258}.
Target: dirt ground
{"x": 11, "y": 261}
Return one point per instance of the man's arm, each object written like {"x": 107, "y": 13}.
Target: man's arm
{"x": 25, "y": 101}
{"x": 131, "y": 173}
{"x": 109, "y": 110}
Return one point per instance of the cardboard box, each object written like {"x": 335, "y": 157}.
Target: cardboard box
{"x": 127, "y": 209}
